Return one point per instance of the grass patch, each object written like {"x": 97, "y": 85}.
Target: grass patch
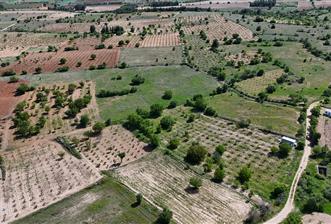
{"x": 271, "y": 117}
{"x": 181, "y": 80}
{"x": 151, "y": 56}
{"x": 106, "y": 202}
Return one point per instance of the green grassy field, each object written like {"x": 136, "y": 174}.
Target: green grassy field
{"x": 107, "y": 202}
{"x": 301, "y": 63}
{"x": 314, "y": 70}
{"x": 314, "y": 185}
{"x": 183, "y": 81}
{"x": 151, "y": 56}
{"x": 271, "y": 117}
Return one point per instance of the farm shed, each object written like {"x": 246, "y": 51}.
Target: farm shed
{"x": 292, "y": 142}
{"x": 327, "y": 113}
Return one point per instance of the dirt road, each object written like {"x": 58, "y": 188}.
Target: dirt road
{"x": 289, "y": 206}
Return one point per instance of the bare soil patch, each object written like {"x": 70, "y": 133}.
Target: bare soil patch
{"x": 324, "y": 128}
{"x": 217, "y": 27}
{"x": 163, "y": 181}
{"x": 8, "y": 100}
{"x": 50, "y": 61}
{"x": 103, "y": 151}
{"x": 316, "y": 218}
{"x": 102, "y": 8}
{"x": 40, "y": 174}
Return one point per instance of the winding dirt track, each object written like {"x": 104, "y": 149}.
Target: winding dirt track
{"x": 289, "y": 206}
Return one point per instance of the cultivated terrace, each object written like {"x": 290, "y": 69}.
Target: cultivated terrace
{"x": 188, "y": 112}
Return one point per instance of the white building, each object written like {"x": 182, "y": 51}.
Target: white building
{"x": 292, "y": 142}
{"x": 327, "y": 113}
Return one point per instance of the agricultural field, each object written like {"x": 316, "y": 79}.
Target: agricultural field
{"x": 164, "y": 181}
{"x": 77, "y": 60}
{"x": 105, "y": 201}
{"x": 39, "y": 175}
{"x": 157, "y": 80}
{"x": 45, "y": 101}
{"x": 8, "y": 98}
{"x": 215, "y": 26}
{"x": 270, "y": 117}
{"x": 165, "y": 112}
{"x": 247, "y": 146}
{"x": 103, "y": 151}
{"x": 258, "y": 84}
{"x": 151, "y": 56}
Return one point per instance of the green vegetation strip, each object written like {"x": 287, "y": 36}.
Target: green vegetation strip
{"x": 107, "y": 201}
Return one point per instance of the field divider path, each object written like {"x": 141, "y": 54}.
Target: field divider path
{"x": 289, "y": 206}
{"x": 6, "y": 28}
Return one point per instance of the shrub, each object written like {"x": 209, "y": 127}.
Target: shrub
{"x": 23, "y": 88}
{"x": 100, "y": 46}
{"x": 167, "y": 122}
{"x": 38, "y": 70}
{"x": 101, "y": 66}
{"x": 195, "y": 182}
{"x": 284, "y": 150}
{"x": 167, "y": 95}
{"x": 137, "y": 80}
{"x": 313, "y": 204}
{"x": 154, "y": 141}
{"x": 220, "y": 149}
{"x": 210, "y": 111}
{"x": 293, "y": 218}
{"x": 9, "y": 73}
{"x": 164, "y": 217}
{"x": 98, "y": 127}
{"x": 219, "y": 175}
{"x": 93, "y": 57}
{"x": 217, "y": 72}
{"x": 260, "y": 72}
{"x": 62, "y": 69}
{"x": 63, "y": 61}
{"x": 244, "y": 174}
{"x": 243, "y": 123}
{"x": 139, "y": 198}
{"x": 13, "y": 79}
{"x": 173, "y": 144}
{"x": 172, "y": 104}
{"x": 199, "y": 104}
{"x": 270, "y": 89}
{"x": 301, "y": 145}
{"x": 190, "y": 118}
{"x": 84, "y": 120}
{"x": 155, "y": 111}
{"x": 195, "y": 154}
{"x": 122, "y": 65}
{"x": 277, "y": 191}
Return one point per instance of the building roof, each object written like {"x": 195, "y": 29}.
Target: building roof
{"x": 289, "y": 139}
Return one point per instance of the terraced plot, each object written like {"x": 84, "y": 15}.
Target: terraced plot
{"x": 258, "y": 84}
{"x": 243, "y": 147}
{"x": 103, "y": 151}
{"x": 163, "y": 181}
{"x": 39, "y": 174}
